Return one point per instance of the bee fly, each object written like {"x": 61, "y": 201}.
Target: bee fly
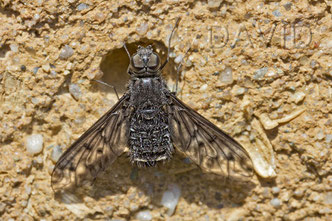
{"x": 150, "y": 123}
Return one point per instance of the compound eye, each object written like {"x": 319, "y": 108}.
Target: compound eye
{"x": 137, "y": 62}
{"x": 153, "y": 61}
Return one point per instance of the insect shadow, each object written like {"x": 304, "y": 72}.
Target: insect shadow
{"x": 213, "y": 190}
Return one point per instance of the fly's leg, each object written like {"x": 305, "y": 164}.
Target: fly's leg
{"x": 108, "y": 85}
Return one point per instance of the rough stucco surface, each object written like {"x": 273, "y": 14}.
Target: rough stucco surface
{"x": 260, "y": 82}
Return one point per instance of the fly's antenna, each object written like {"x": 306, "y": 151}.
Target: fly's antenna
{"x": 125, "y": 47}
{"x": 169, "y": 43}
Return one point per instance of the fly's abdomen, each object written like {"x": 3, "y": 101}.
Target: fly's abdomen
{"x": 149, "y": 137}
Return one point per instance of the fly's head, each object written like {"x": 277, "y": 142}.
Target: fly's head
{"x": 144, "y": 63}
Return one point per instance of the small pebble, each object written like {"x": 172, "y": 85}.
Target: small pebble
{"x": 203, "y": 87}
{"x": 46, "y": 67}
{"x": 75, "y": 91}
{"x": 325, "y": 210}
{"x": 320, "y": 135}
{"x": 292, "y": 88}
{"x": 16, "y": 60}
{"x": 142, "y": 29}
{"x": 24, "y": 203}
{"x": 203, "y": 62}
{"x": 27, "y": 189}
{"x": 69, "y": 66}
{"x": 53, "y": 73}
{"x": 313, "y": 63}
{"x": 82, "y": 6}
{"x": 275, "y": 203}
{"x": 23, "y": 68}
{"x": 39, "y": 160}
{"x": 298, "y": 193}
{"x": 170, "y": 198}
{"x": 172, "y": 54}
{"x": 34, "y": 143}
{"x": 66, "y": 52}
{"x": 244, "y": 62}
{"x": 34, "y": 100}
{"x": 226, "y": 76}
{"x": 214, "y": 4}
{"x": 188, "y": 63}
{"x": 144, "y": 215}
{"x": 240, "y": 91}
{"x": 259, "y": 74}
{"x": 109, "y": 210}
{"x": 36, "y": 16}
{"x": 288, "y": 6}
{"x": 271, "y": 74}
{"x": 277, "y": 13}
{"x": 56, "y": 153}
{"x": 13, "y": 47}
{"x": 178, "y": 59}
{"x": 275, "y": 190}
{"x": 298, "y": 97}
{"x": 328, "y": 198}
{"x": 35, "y": 70}
{"x": 328, "y": 138}
{"x": 266, "y": 192}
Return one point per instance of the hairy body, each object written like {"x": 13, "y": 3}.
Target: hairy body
{"x": 149, "y": 123}
{"x": 149, "y": 135}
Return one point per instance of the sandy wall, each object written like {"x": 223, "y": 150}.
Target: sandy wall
{"x": 260, "y": 70}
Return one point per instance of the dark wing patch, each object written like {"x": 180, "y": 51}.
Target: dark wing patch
{"x": 204, "y": 143}
{"x": 99, "y": 146}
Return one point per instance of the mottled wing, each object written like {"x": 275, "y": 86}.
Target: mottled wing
{"x": 99, "y": 146}
{"x": 204, "y": 143}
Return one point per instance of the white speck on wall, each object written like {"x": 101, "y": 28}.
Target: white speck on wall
{"x": 56, "y": 153}
{"x": 34, "y": 143}
{"x": 171, "y": 198}
{"x": 144, "y": 215}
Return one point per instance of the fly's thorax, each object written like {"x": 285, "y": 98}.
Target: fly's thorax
{"x": 148, "y": 90}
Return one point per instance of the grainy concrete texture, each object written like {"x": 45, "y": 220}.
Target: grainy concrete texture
{"x": 260, "y": 70}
